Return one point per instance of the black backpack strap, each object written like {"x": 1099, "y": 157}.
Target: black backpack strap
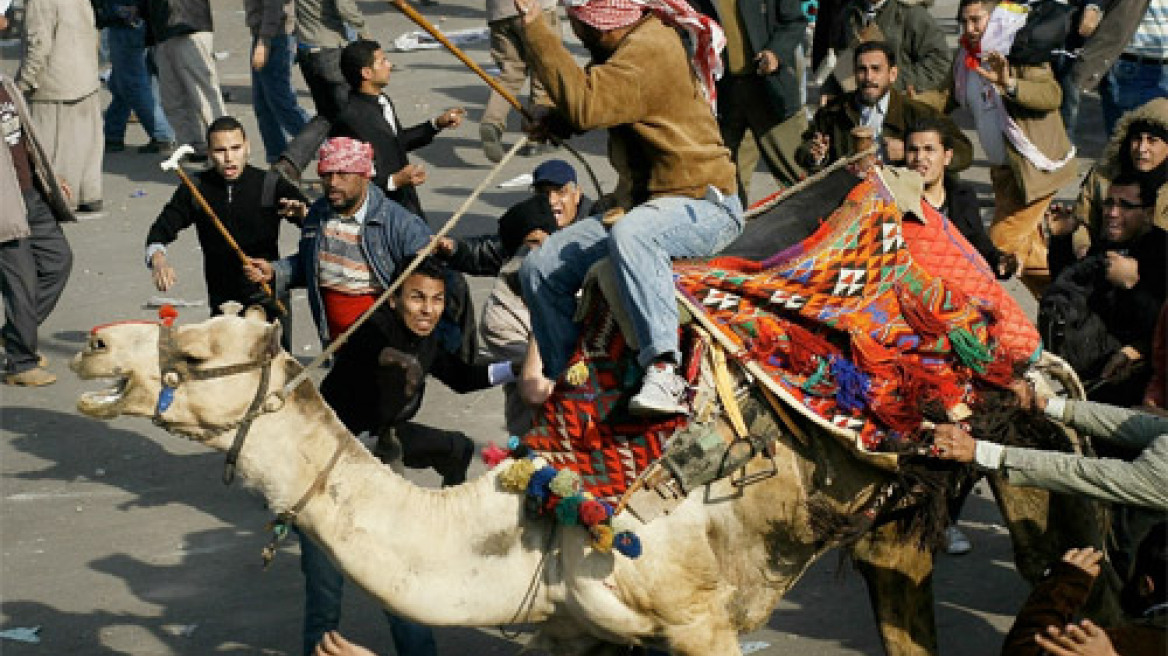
{"x": 268, "y": 195}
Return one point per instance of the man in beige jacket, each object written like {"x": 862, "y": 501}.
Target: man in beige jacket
{"x": 1015, "y": 107}
{"x": 58, "y": 77}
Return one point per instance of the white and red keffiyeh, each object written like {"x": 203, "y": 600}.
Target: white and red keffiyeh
{"x": 345, "y": 155}
{"x": 706, "y": 39}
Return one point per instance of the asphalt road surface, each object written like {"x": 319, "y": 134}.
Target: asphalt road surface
{"x": 118, "y": 538}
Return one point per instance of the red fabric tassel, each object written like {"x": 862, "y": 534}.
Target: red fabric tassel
{"x": 920, "y": 318}
{"x": 805, "y": 348}
{"x": 735, "y": 264}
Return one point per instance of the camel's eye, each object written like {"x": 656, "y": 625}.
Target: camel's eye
{"x": 96, "y": 344}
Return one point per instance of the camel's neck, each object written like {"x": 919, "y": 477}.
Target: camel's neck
{"x": 462, "y": 555}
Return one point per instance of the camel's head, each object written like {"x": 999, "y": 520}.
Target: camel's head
{"x": 195, "y": 378}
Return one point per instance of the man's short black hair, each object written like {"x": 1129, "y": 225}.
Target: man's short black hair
{"x": 989, "y": 4}
{"x": 356, "y": 56}
{"x": 1147, "y": 184}
{"x": 875, "y": 46}
{"x": 429, "y": 267}
{"x": 930, "y": 124}
{"x": 225, "y": 124}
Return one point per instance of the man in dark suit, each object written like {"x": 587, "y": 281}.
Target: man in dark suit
{"x": 761, "y": 90}
{"x": 370, "y": 117}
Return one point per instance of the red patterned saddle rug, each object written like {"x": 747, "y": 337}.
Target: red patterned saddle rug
{"x": 585, "y": 427}
{"x": 857, "y": 330}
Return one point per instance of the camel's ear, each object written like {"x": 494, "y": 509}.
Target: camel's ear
{"x": 194, "y": 342}
{"x": 231, "y": 308}
{"x": 256, "y": 312}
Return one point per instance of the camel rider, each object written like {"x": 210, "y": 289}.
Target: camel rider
{"x": 677, "y": 184}
{"x": 251, "y": 204}
{"x": 354, "y": 243}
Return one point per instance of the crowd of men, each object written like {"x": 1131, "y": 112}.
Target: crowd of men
{"x": 686, "y": 124}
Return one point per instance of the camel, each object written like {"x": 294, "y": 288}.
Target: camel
{"x": 468, "y": 555}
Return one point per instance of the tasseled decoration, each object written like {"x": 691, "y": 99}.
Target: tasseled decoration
{"x": 900, "y": 417}
{"x": 627, "y": 544}
{"x": 565, "y": 484}
{"x": 493, "y": 454}
{"x": 167, "y": 314}
{"x": 568, "y": 512}
{"x": 593, "y": 512}
{"x": 623, "y": 523}
{"x": 972, "y": 353}
{"x": 919, "y": 386}
{"x": 602, "y": 538}
{"x": 1000, "y": 372}
{"x": 873, "y": 357}
{"x": 919, "y": 317}
{"x": 537, "y": 486}
{"x": 513, "y": 442}
{"x": 735, "y": 264}
{"x": 811, "y": 385}
{"x": 516, "y": 477}
{"x": 806, "y": 349}
{"x": 852, "y": 385}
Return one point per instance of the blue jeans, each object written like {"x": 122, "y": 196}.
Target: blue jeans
{"x": 1127, "y": 86}
{"x": 323, "y": 590}
{"x": 276, "y": 111}
{"x": 1072, "y": 96}
{"x": 642, "y": 245}
{"x": 132, "y": 87}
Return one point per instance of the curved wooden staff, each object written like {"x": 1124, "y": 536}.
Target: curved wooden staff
{"x": 171, "y": 164}
{"x": 426, "y": 25}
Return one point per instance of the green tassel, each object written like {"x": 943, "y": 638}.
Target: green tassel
{"x": 816, "y": 378}
{"x": 568, "y": 510}
{"x": 973, "y": 353}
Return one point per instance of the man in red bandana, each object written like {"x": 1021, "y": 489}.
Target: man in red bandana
{"x": 677, "y": 185}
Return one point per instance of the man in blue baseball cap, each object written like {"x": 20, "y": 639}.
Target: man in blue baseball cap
{"x": 556, "y": 179}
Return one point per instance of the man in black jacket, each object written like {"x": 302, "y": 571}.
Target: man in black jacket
{"x": 929, "y": 151}
{"x": 250, "y": 204}
{"x": 371, "y": 117}
{"x": 1125, "y": 275}
{"x": 761, "y": 90}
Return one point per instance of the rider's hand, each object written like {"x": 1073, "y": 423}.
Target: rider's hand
{"x": 410, "y": 175}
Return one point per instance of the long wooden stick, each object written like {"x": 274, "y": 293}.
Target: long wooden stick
{"x": 226, "y": 235}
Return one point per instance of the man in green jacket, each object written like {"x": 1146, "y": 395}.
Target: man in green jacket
{"x": 1137, "y": 483}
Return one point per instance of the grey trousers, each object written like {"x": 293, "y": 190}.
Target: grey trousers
{"x": 189, "y": 86}
{"x": 33, "y": 273}
{"x": 510, "y": 53}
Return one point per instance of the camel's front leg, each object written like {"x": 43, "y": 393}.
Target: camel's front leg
{"x": 900, "y": 587}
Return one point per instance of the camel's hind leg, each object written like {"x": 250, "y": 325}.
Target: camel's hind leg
{"x": 900, "y": 587}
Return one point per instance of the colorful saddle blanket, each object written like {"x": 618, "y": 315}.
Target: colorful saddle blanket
{"x": 859, "y": 324}
{"x": 853, "y": 327}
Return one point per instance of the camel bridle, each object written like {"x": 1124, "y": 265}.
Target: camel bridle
{"x": 176, "y": 369}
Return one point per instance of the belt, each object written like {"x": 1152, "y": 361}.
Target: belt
{"x": 1144, "y": 59}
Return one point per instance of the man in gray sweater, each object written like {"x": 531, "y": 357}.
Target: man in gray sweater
{"x": 1139, "y": 482}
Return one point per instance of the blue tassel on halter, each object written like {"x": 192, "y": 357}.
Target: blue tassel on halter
{"x": 852, "y": 385}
